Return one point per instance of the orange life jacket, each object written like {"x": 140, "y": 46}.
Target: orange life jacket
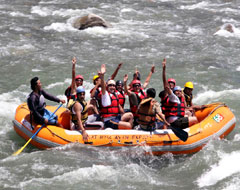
{"x": 145, "y": 112}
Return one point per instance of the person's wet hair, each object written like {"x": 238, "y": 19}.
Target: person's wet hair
{"x": 33, "y": 82}
{"x": 151, "y": 92}
{"x": 162, "y": 94}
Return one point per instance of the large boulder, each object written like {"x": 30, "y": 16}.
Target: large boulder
{"x": 90, "y": 20}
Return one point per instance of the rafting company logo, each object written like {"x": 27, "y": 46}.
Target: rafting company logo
{"x": 218, "y": 118}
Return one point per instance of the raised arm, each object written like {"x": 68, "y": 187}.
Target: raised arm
{"x": 131, "y": 95}
{"x": 148, "y": 77}
{"x": 164, "y": 73}
{"x": 73, "y": 84}
{"x": 101, "y": 75}
{"x": 116, "y": 71}
{"x": 125, "y": 79}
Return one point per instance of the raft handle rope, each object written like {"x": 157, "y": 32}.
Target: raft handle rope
{"x": 59, "y": 136}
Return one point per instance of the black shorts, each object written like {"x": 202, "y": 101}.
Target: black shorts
{"x": 181, "y": 123}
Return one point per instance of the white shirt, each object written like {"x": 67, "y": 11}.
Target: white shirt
{"x": 106, "y": 100}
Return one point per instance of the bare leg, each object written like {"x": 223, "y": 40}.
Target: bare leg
{"x": 124, "y": 125}
{"x": 192, "y": 120}
{"x": 93, "y": 106}
{"x": 126, "y": 121}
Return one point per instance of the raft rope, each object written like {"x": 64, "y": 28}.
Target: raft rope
{"x": 59, "y": 136}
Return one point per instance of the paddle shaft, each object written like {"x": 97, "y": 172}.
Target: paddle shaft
{"x": 21, "y": 149}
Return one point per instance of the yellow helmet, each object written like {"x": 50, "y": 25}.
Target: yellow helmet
{"x": 188, "y": 85}
{"x": 95, "y": 77}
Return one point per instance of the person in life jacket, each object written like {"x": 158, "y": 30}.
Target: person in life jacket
{"x": 120, "y": 92}
{"x": 36, "y": 104}
{"x": 95, "y": 101}
{"x": 174, "y": 109}
{"x": 188, "y": 88}
{"x": 111, "y": 111}
{"x": 70, "y": 92}
{"x": 79, "y": 112}
{"x": 148, "y": 110}
{"x": 94, "y": 92}
{"x": 171, "y": 82}
{"x": 136, "y": 95}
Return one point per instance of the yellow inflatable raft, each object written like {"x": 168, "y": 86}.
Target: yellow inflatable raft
{"x": 215, "y": 121}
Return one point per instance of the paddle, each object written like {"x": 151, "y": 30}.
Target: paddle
{"x": 21, "y": 149}
{"x": 180, "y": 133}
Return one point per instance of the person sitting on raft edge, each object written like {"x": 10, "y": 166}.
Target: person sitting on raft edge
{"x": 36, "y": 104}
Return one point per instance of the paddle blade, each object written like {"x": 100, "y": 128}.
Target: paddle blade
{"x": 21, "y": 149}
{"x": 180, "y": 133}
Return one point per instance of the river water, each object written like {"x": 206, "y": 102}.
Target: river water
{"x": 37, "y": 39}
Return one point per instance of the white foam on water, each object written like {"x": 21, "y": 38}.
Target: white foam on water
{"x": 41, "y": 11}
{"x": 13, "y": 49}
{"x": 194, "y": 31}
{"x": 36, "y": 70}
{"x": 97, "y": 173}
{"x": 236, "y": 138}
{"x": 8, "y": 104}
{"x": 126, "y": 10}
{"x": 229, "y": 10}
{"x": 19, "y": 14}
{"x": 232, "y": 184}
{"x": 238, "y": 68}
{"x": 226, "y": 167}
{"x": 53, "y": 85}
{"x": 210, "y": 95}
{"x": 60, "y": 27}
{"x": 225, "y": 33}
{"x": 200, "y": 5}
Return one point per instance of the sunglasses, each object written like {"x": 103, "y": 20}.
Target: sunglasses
{"x": 111, "y": 85}
{"x": 136, "y": 85}
{"x": 79, "y": 80}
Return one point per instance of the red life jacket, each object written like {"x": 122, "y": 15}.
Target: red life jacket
{"x": 121, "y": 98}
{"x": 140, "y": 96}
{"x": 113, "y": 109}
{"x": 173, "y": 109}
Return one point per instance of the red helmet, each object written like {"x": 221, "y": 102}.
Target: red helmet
{"x": 172, "y": 80}
{"x": 79, "y": 77}
{"x": 136, "y": 82}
